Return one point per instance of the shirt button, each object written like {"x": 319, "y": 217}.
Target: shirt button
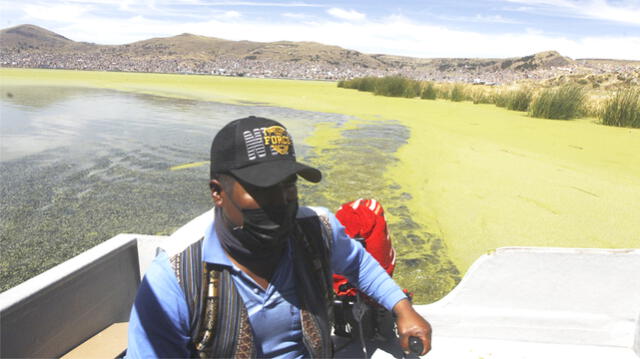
{"x": 256, "y": 290}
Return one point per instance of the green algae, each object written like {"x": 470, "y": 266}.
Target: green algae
{"x": 54, "y": 211}
{"x": 355, "y": 159}
{"x": 189, "y": 165}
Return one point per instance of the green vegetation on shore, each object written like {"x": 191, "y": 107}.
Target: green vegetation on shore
{"x": 392, "y": 86}
{"x": 565, "y": 101}
{"x": 514, "y": 100}
{"x": 477, "y": 177}
{"x": 623, "y": 109}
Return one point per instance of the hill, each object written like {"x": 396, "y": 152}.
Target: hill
{"x": 208, "y": 48}
{"x": 34, "y": 47}
{"x": 31, "y": 37}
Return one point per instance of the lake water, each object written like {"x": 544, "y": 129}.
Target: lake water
{"x": 78, "y": 166}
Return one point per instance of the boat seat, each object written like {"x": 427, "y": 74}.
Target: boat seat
{"x": 109, "y": 343}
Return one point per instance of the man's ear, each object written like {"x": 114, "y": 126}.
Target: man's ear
{"x": 216, "y": 191}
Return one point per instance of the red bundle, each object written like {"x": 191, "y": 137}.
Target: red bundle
{"x": 364, "y": 221}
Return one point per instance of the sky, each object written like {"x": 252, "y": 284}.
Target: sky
{"x": 432, "y": 28}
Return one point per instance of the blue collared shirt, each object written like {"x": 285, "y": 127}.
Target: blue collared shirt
{"x": 159, "y": 323}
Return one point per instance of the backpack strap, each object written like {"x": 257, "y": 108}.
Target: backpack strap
{"x": 313, "y": 269}
{"x": 212, "y": 299}
{"x": 225, "y": 331}
{"x": 187, "y": 267}
{"x": 204, "y": 329}
{"x": 317, "y": 241}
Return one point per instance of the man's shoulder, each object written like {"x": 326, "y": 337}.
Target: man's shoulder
{"x": 159, "y": 285}
{"x": 312, "y": 211}
{"x": 313, "y": 218}
{"x": 160, "y": 271}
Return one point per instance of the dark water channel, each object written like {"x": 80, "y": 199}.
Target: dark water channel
{"x": 78, "y": 166}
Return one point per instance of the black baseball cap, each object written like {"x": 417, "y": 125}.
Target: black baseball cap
{"x": 258, "y": 151}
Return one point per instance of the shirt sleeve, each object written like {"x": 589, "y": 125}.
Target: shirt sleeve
{"x": 159, "y": 325}
{"x": 350, "y": 259}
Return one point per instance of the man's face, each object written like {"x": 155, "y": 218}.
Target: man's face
{"x": 235, "y": 196}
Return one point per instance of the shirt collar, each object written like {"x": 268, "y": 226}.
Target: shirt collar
{"x": 212, "y": 250}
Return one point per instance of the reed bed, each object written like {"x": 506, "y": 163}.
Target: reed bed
{"x": 429, "y": 91}
{"x": 482, "y": 95}
{"x": 458, "y": 93}
{"x": 392, "y": 86}
{"x": 622, "y": 109}
{"x": 563, "y": 102}
{"x": 520, "y": 99}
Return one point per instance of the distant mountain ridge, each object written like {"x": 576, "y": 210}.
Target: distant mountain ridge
{"x": 33, "y": 46}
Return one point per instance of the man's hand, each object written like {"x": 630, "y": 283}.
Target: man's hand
{"x": 411, "y": 324}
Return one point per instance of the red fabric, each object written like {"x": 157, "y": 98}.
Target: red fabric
{"x": 364, "y": 218}
{"x": 346, "y": 290}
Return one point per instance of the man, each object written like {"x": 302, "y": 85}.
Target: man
{"x": 262, "y": 282}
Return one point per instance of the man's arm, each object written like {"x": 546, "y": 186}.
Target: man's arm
{"x": 411, "y": 324}
{"x": 159, "y": 325}
{"x": 350, "y": 259}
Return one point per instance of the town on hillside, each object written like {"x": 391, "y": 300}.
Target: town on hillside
{"x": 29, "y": 46}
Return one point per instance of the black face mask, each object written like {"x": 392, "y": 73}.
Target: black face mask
{"x": 268, "y": 227}
{"x": 263, "y": 234}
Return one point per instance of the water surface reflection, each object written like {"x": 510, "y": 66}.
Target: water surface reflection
{"x": 78, "y": 166}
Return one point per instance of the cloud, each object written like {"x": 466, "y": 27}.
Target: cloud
{"x": 297, "y": 16}
{"x": 395, "y": 34}
{"x": 59, "y": 13}
{"x": 255, "y": 3}
{"x": 232, "y": 14}
{"x": 350, "y": 15}
{"x": 627, "y": 12}
{"x": 487, "y": 19}
{"x": 493, "y": 19}
{"x": 401, "y": 36}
